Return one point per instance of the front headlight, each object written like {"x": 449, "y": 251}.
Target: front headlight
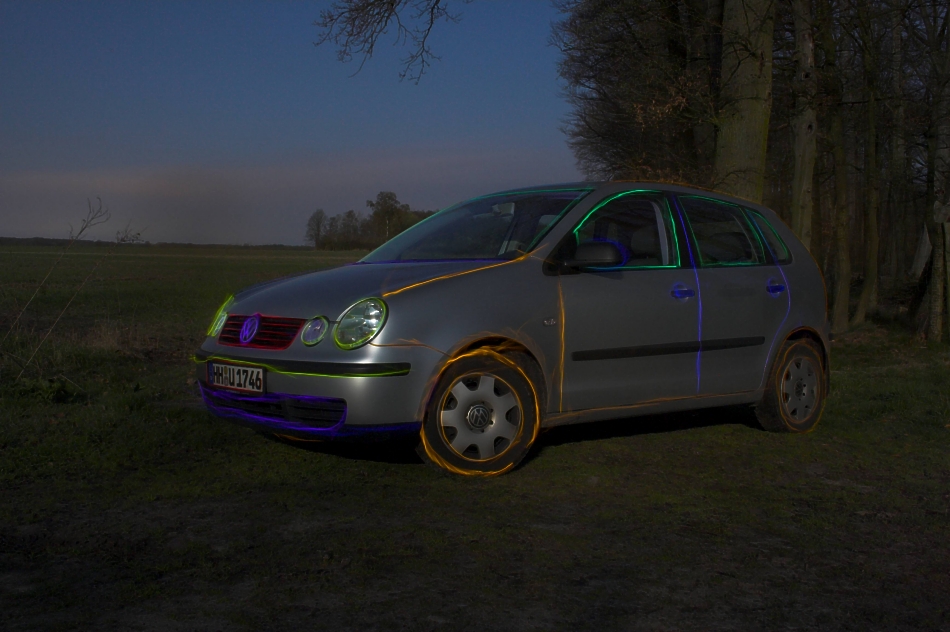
{"x": 360, "y": 323}
{"x": 220, "y": 317}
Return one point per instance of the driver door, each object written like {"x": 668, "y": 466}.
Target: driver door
{"x": 630, "y": 331}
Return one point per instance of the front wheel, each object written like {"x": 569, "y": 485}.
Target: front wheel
{"x": 796, "y": 391}
{"x": 482, "y": 417}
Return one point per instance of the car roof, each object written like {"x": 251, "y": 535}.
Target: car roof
{"x": 637, "y": 184}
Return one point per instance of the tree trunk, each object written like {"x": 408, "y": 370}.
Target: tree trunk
{"x": 946, "y": 266}
{"x": 804, "y": 123}
{"x": 868, "y": 300}
{"x": 745, "y": 97}
{"x": 841, "y": 215}
{"x": 897, "y": 169}
{"x": 839, "y": 318}
{"x": 700, "y": 73}
{"x": 937, "y": 286}
{"x": 938, "y": 154}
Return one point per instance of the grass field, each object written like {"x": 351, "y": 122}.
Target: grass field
{"x": 124, "y": 506}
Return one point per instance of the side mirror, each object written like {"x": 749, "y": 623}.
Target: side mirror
{"x": 595, "y": 254}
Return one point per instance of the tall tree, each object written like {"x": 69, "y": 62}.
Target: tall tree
{"x": 835, "y": 91}
{"x": 897, "y": 167}
{"x": 931, "y": 23}
{"x": 641, "y": 76}
{"x": 804, "y": 122}
{"x": 389, "y": 217}
{"x": 745, "y": 97}
{"x": 316, "y": 227}
{"x": 869, "y": 55}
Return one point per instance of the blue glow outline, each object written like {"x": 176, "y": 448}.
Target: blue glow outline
{"x": 699, "y": 291}
{"x": 623, "y": 251}
{"x": 788, "y": 290}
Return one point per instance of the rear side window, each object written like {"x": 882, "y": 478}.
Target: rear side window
{"x": 722, "y": 233}
{"x": 639, "y": 224}
{"x": 775, "y": 244}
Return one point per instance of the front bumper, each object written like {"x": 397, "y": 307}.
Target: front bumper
{"x": 323, "y": 400}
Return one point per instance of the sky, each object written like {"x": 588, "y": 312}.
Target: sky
{"x": 214, "y": 122}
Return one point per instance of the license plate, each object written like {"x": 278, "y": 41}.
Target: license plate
{"x": 247, "y": 379}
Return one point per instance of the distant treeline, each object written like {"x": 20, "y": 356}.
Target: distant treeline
{"x": 351, "y": 230}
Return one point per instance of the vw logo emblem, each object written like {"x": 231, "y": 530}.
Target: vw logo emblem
{"x": 478, "y": 416}
{"x": 249, "y": 330}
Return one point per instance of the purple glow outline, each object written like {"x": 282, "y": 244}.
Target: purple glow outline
{"x": 207, "y": 393}
{"x": 699, "y": 292}
{"x": 337, "y": 431}
{"x": 247, "y": 332}
{"x": 369, "y": 263}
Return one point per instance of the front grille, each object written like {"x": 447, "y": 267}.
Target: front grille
{"x": 287, "y": 411}
{"x": 273, "y": 332}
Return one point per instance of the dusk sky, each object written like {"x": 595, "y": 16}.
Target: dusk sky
{"x": 213, "y": 122}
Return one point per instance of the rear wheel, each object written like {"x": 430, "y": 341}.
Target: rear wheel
{"x": 482, "y": 417}
{"x": 796, "y": 391}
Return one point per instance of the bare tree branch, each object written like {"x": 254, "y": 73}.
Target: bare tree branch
{"x": 124, "y": 236}
{"x": 94, "y": 217}
{"x": 355, "y": 26}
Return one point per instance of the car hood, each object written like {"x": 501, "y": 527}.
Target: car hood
{"x": 329, "y": 292}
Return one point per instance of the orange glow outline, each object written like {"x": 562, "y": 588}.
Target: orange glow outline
{"x": 290, "y": 438}
{"x": 777, "y": 388}
{"x": 649, "y": 402}
{"x": 438, "y": 460}
{"x": 520, "y": 429}
{"x": 449, "y": 276}
{"x": 402, "y": 342}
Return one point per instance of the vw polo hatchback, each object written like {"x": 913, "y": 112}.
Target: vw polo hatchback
{"x": 529, "y": 309}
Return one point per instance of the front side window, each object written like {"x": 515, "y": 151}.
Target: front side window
{"x": 501, "y": 226}
{"x": 639, "y": 224}
{"x": 722, "y": 233}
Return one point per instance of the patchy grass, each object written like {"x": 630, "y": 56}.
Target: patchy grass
{"x": 125, "y": 506}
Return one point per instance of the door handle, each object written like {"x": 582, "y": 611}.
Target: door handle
{"x": 681, "y": 291}
{"x": 774, "y": 288}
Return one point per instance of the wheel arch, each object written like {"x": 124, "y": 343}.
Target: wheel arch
{"x": 805, "y": 333}
{"x": 810, "y": 334}
{"x": 509, "y": 346}
{"x": 501, "y": 345}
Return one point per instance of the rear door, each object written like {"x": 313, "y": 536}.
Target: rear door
{"x": 743, "y": 295}
{"x": 630, "y": 332}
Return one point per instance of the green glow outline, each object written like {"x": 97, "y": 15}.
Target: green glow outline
{"x": 755, "y": 232}
{"x": 215, "y": 328}
{"x": 363, "y": 341}
{"x": 560, "y": 216}
{"x": 787, "y": 259}
{"x": 273, "y": 369}
{"x": 669, "y": 215}
{"x": 322, "y": 336}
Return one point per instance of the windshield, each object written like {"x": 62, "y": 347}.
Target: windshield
{"x": 501, "y": 226}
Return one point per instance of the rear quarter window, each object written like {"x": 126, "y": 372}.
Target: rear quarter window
{"x": 723, "y": 234}
{"x": 776, "y": 246}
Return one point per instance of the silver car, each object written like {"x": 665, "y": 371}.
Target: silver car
{"x": 529, "y": 309}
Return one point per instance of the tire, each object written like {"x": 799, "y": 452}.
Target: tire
{"x": 796, "y": 391}
{"x": 483, "y": 415}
